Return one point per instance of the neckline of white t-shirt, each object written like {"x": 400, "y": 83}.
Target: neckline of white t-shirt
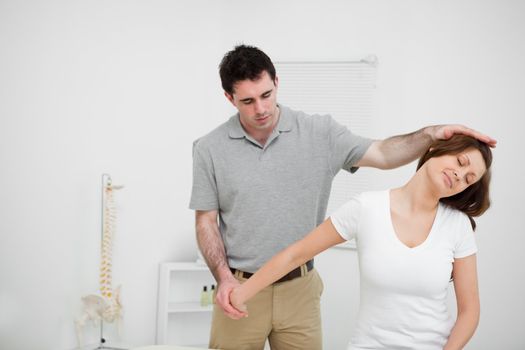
{"x": 394, "y": 235}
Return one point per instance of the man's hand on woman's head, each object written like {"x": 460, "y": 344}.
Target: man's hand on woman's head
{"x": 444, "y": 132}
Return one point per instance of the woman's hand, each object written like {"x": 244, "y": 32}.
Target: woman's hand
{"x": 222, "y": 298}
{"x": 237, "y": 301}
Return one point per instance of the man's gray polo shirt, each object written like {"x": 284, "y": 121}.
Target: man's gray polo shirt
{"x": 269, "y": 197}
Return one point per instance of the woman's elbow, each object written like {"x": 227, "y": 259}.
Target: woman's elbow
{"x": 295, "y": 256}
{"x": 471, "y": 312}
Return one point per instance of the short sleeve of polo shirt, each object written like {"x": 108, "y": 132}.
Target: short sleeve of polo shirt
{"x": 346, "y": 218}
{"x": 204, "y": 190}
{"x": 346, "y": 148}
{"x": 466, "y": 242}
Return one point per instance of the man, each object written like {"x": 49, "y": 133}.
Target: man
{"x": 261, "y": 181}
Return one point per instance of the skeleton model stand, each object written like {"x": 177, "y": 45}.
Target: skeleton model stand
{"x": 105, "y": 307}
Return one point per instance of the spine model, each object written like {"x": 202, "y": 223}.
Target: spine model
{"x": 106, "y": 306}
{"x": 108, "y": 229}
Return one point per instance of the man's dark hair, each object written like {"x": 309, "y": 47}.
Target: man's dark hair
{"x": 244, "y": 62}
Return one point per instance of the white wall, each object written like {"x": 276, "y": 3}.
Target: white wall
{"x": 125, "y": 87}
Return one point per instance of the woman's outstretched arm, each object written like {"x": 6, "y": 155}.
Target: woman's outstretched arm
{"x": 320, "y": 239}
{"x": 467, "y": 298}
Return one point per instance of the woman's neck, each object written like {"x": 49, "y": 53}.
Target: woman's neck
{"x": 416, "y": 195}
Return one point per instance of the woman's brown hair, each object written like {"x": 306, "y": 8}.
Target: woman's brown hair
{"x": 474, "y": 200}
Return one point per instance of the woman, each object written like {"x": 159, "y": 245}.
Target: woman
{"x": 411, "y": 241}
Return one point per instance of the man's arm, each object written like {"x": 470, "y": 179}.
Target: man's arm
{"x": 402, "y": 149}
{"x": 212, "y": 248}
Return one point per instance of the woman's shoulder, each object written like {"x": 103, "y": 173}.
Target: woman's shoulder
{"x": 373, "y": 197}
{"x": 454, "y": 218}
{"x": 366, "y": 201}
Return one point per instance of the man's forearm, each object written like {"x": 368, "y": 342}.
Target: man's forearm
{"x": 212, "y": 248}
{"x": 403, "y": 149}
{"x": 397, "y": 150}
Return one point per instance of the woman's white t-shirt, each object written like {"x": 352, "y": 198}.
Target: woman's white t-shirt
{"x": 403, "y": 290}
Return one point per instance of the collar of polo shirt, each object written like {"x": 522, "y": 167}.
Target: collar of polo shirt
{"x": 284, "y": 124}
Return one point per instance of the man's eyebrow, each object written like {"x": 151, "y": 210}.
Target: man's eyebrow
{"x": 251, "y": 98}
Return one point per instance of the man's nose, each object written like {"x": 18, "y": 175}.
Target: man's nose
{"x": 258, "y": 107}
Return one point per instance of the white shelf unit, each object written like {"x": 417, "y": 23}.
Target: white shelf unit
{"x": 181, "y": 320}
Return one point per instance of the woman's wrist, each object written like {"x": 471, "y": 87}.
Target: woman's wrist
{"x": 237, "y": 298}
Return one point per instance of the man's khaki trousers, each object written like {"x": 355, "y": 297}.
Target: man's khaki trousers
{"x": 287, "y": 313}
